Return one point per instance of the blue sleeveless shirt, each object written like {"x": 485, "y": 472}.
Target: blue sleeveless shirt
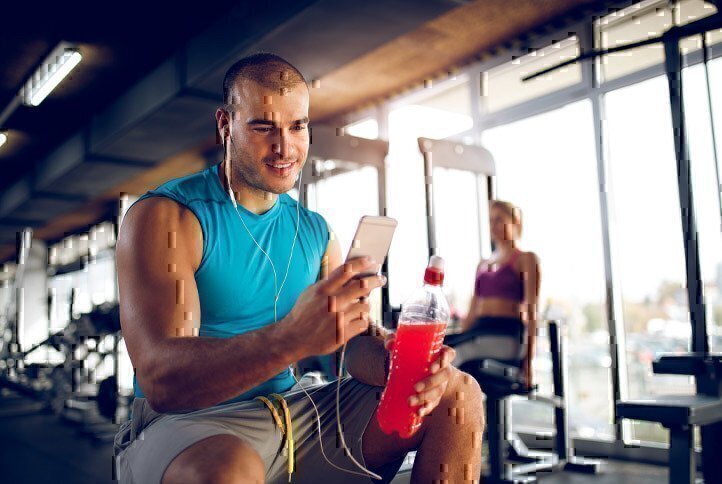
{"x": 234, "y": 279}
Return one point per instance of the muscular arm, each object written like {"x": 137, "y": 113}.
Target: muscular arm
{"x": 531, "y": 275}
{"x": 158, "y": 251}
{"x": 365, "y": 354}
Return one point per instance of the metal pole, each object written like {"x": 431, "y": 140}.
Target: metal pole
{"x": 24, "y": 241}
{"x": 429, "y": 184}
{"x": 482, "y": 201}
{"x": 614, "y": 312}
{"x": 560, "y": 413}
{"x": 386, "y": 318}
{"x": 673, "y": 64}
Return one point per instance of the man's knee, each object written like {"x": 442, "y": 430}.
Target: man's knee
{"x": 217, "y": 459}
{"x": 464, "y": 397}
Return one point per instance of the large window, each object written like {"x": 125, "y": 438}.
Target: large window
{"x": 705, "y": 180}
{"x": 642, "y": 21}
{"x": 715, "y": 69}
{"x": 405, "y": 174}
{"x": 547, "y": 166}
{"x": 648, "y": 239}
{"x": 74, "y": 293}
{"x": 457, "y": 207}
{"x": 343, "y": 199}
{"x": 503, "y": 86}
{"x": 365, "y": 128}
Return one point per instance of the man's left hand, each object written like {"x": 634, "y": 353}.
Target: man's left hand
{"x": 432, "y": 388}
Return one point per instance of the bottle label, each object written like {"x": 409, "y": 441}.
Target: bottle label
{"x": 415, "y": 347}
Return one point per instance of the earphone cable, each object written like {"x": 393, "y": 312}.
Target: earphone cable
{"x": 277, "y": 293}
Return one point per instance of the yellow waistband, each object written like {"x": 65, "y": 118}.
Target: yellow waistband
{"x": 286, "y": 430}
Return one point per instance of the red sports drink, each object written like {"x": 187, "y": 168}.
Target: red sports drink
{"x": 419, "y": 338}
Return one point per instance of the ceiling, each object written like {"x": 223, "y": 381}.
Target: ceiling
{"x": 138, "y": 109}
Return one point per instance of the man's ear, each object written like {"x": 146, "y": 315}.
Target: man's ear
{"x": 223, "y": 123}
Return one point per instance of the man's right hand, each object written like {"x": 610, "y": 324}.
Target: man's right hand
{"x": 331, "y": 312}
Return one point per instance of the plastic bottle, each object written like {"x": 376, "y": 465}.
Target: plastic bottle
{"x": 419, "y": 337}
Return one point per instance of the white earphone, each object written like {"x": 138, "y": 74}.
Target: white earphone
{"x": 277, "y": 293}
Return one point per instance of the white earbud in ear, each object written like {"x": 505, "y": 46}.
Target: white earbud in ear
{"x": 226, "y": 133}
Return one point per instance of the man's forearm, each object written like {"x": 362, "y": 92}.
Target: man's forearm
{"x": 366, "y": 356}
{"x": 189, "y": 373}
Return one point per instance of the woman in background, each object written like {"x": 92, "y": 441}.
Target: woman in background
{"x": 506, "y": 290}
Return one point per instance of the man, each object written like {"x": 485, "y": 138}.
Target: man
{"x": 224, "y": 282}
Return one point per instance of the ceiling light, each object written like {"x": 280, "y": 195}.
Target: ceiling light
{"x": 3, "y": 137}
{"x": 60, "y": 62}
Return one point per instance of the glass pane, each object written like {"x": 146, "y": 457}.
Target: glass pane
{"x": 552, "y": 177}
{"x": 641, "y": 21}
{"x": 690, "y": 10}
{"x": 405, "y": 186}
{"x": 648, "y": 242}
{"x": 101, "y": 280}
{"x": 646, "y": 20}
{"x": 714, "y": 37}
{"x": 503, "y": 85}
{"x": 715, "y": 72}
{"x": 456, "y": 211}
{"x": 33, "y": 327}
{"x": 706, "y": 190}
{"x": 454, "y": 99}
{"x": 343, "y": 199}
{"x": 125, "y": 370}
{"x": 366, "y": 128}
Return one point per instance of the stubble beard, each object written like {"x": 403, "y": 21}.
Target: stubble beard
{"x": 247, "y": 172}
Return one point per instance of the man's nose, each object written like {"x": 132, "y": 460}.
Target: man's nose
{"x": 282, "y": 145}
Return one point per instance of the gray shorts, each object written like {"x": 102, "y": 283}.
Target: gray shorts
{"x": 146, "y": 445}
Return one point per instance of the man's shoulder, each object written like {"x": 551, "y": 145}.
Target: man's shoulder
{"x": 171, "y": 202}
{"x": 157, "y": 212}
{"x": 160, "y": 222}
{"x": 189, "y": 185}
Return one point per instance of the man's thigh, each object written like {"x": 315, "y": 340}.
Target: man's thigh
{"x": 218, "y": 459}
{"x": 357, "y": 407}
{"x": 146, "y": 459}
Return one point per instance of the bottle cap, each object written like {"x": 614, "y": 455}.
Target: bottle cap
{"x": 434, "y": 274}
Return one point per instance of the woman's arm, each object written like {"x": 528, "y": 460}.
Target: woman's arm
{"x": 531, "y": 275}
{"x": 470, "y": 317}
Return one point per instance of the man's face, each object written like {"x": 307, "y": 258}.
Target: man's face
{"x": 269, "y": 136}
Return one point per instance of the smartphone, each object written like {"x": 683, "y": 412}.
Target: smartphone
{"x": 373, "y": 239}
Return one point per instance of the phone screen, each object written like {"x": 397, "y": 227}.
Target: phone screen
{"x": 373, "y": 238}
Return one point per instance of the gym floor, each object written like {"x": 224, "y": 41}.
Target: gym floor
{"x": 37, "y": 447}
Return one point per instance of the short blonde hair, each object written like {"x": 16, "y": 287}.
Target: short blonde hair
{"x": 510, "y": 209}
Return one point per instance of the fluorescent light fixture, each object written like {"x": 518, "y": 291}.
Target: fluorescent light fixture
{"x": 60, "y": 62}
{"x": 3, "y": 137}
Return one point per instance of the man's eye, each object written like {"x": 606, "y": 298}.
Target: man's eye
{"x": 262, "y": 130}
{"x": 299, "y": 127}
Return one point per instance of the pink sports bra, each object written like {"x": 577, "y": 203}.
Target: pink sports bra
{"x": 503, "y": 283}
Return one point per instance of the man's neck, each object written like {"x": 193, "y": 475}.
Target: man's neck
{"x": 253, "y": 200}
